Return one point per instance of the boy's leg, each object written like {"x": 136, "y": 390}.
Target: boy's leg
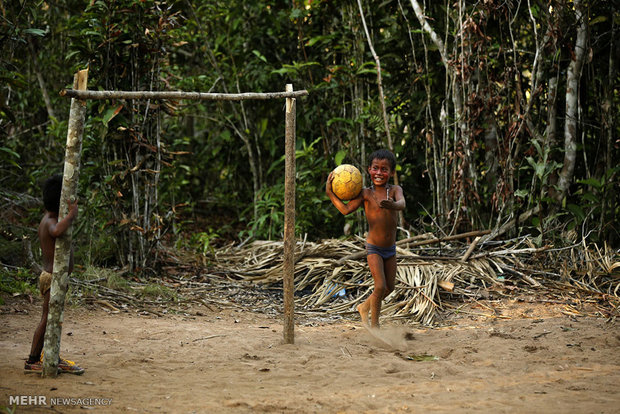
{"x": 39, "y": 333}
{"x": 389, "y": 266}
{"x": 33, "y": 364}
{"x": 376, "y": 265}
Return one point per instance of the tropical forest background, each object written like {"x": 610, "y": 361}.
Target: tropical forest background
{"x": 499, "y": 113}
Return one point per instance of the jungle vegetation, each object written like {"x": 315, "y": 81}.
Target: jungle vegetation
{"x": 496, "y": 111}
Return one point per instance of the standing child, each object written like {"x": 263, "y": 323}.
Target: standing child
{"x": 382, "y": 201}
{"x": 50, "y": 229}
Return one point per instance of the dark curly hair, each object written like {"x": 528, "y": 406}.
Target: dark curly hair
{"x": 51, "y": 193}
{"x": 383, "y": 154}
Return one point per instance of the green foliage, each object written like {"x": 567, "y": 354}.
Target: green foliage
{"x": 20, "y": 281}
{"x": 269, "y": 221}
{"x": 154, "y": 290}
{"x": 111, "y": 278}
{"x": 594, "y": 201}
{"x": 9, "y": 410}
{"x": 117, "y": 282}
{"x": 312, "y": 210}
{"x": 203, "y": 241}
{"x": 152, "y": 171}
{"x": 542, "y": 168}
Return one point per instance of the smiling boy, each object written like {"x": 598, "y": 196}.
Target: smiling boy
{"x": 381, "y": 201}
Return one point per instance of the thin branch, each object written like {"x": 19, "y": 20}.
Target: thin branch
{"x": 379, "y": 80}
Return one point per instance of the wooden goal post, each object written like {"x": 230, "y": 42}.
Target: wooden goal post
{"x": 60, "y": 277}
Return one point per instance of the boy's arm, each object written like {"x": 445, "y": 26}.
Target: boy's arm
{"x": 58, "y": 228}
{"x": 395, "y": 203}
{"x": 345, "y": 209}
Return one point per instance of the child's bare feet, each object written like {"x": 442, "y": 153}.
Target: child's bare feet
{"x": 363, "y": 309}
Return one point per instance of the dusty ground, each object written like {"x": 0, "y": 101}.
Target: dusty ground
{"x": 532, "y": 359}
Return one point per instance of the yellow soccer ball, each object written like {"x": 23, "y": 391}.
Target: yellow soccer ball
{"x": 347, "y": 182}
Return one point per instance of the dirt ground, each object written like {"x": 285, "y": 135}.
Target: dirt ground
{"x": 528, "y": 358}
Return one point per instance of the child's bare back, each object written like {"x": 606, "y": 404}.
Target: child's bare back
{"x": 49, "y": 230}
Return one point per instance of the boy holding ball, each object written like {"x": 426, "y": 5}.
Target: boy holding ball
{"x": 381, "y": 201}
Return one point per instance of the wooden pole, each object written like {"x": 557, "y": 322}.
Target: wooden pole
{"x": 73, "y": 93}
{"x": 62, "y": 252}
{"x": 289, "y": 220}
{"x": 289, "y": 181}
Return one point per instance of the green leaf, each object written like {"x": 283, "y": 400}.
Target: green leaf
{"x": 592, "y": 182}
{"x": 340, "y": 156}
{"x": 110, "y": 113}
{"x": 71, "y": 54}
{"x": 259, "y": 55}
{"x": 96, "y": 34}
{"x": 598, "y": 19}
{"x": 263, "y": 126}
{"x": 366, "y": 71}
{"x": 538, "y": 148}
{"x": 577, "y": 211}
{"x": 284, "y": 70}
{"x": 540, "y": 170}
{"x": 590, "y": 197}
{"x": 10, "y": 151}
{"x": 296, "y": 13}
{"x": 337, "y": 119}
{"x": 35, "y": 32}
{"x": 522, "y": 193}
{"x": 317, "y": 39}
{"x": 531, "y": 161}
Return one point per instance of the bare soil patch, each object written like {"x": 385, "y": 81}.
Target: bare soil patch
{"x": 527, "y": 357}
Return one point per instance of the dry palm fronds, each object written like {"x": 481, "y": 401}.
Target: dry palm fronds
{"x": 588, "y": 268}
{"x": 324, "y": 269}
{"x": 332, "y": 278}
{"x": 321, "y": 275}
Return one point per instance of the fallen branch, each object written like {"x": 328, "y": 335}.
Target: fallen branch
{"x": 511, "y": 223}
{"x": 469, "y": 251}
{"x": 525, "y": 277}
{"x": 207, "y": 337}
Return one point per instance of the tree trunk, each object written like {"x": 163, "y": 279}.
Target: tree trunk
{"x": 572, "y": 88}
{"x": 551, "y": 130}
{"x": 379, "y": 80}
{"x": 490, "y": 145}
{"x": 608, "y": 212}
{"x": 439, "y": 149}
{"x": 62, "y": 253}
{"x": 429, "y": 30}
{"x": 381, "y": 99}
{"x": 42, "y": 85}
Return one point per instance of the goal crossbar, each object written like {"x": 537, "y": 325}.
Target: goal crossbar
{"x": 198, "y": 96}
